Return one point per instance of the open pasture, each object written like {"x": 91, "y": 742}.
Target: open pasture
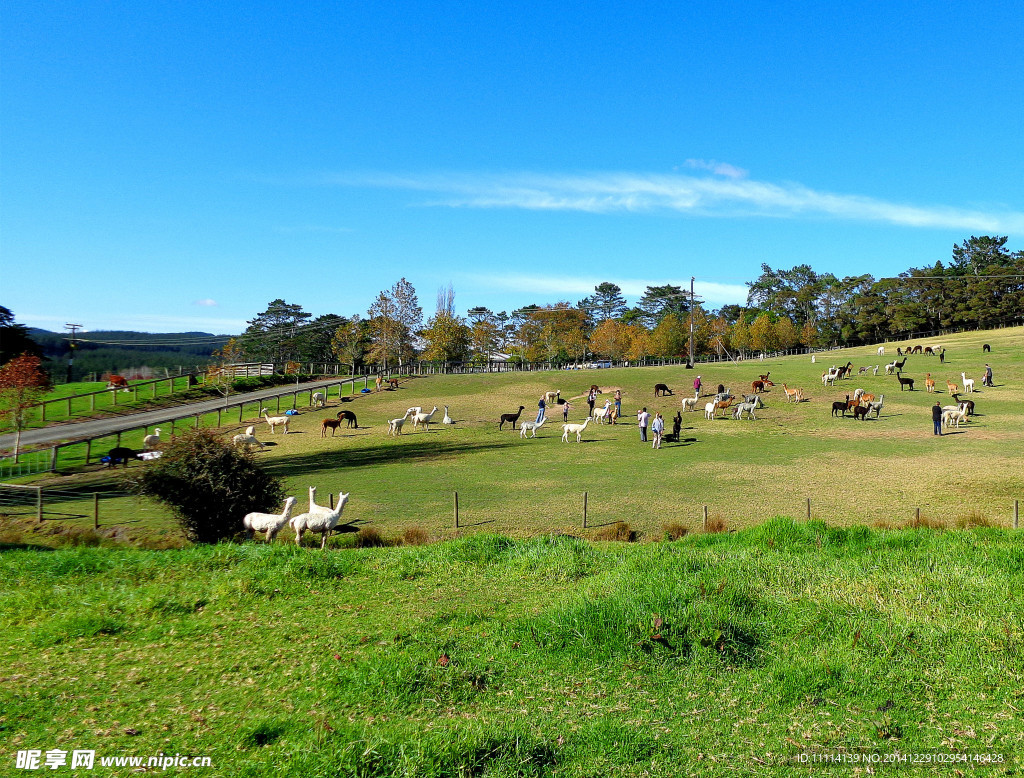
{"x": 745, "y": 471}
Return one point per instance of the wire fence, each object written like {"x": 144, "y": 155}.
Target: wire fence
{"x": 443, "y": 512}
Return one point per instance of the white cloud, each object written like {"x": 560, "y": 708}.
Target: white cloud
{"x": 698, "y": 196}
{"x": 206, "y": 303}
{"x": 718, "y": 168}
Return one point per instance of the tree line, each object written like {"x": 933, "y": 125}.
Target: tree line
{"x": 982, "y": 286}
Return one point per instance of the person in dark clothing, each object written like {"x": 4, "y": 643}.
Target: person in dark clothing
{"x": 987, "y": 381}
{"x": 937, "y": 418}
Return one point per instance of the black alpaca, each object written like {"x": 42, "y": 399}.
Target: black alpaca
{"x": 512, "y": 417}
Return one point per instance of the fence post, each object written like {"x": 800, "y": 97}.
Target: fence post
{"x": 705, "y": 518}
{"x": 53, "y": 459}
{"x": 1016, "y": 514}
{"x": 95, "y": 510}
{"x": 456, "y": 510}
{"x": 584, "y": 510}
{"x": 240, "y": 407}
{"x": 808, "y": 509}
{"x": 39, "y": 504}
{"x": 917, "y": 515}
{"x": 218, "y": 417}
{"x": 197, "y": 421}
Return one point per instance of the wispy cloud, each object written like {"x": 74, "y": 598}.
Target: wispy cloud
{"x": 694, "y": 195}
{"x": 575, "y": 287}
{"x": 718, "y": 168}
{"x": 206, "y": 303}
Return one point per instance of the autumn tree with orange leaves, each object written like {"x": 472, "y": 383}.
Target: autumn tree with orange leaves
{"x": 23, "y": 383}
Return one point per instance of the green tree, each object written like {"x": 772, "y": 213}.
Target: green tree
{"x": 607, "y": 302}
{"x": 14, "y": 338}
{"x": 350, "y": 341}
{"x": 275, "y": 334}
{"x": 658, "y": 302}
{"x": 447, "y": 337}
{"x": 208, "y": 484}
{"x": 395, "y": 317}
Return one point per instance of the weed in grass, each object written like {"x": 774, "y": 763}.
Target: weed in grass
{"x": 975, "y": 519}
{"x": 370, "y": 537}
{"x": 674, "y": 531}
{"x": 620, "y": 531}
{"x": 716, "y": 524}
{"x": 415, "y": 536}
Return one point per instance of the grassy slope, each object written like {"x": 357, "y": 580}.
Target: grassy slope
{"x": 853, "y": 471}
{"x": 487, "y": 656}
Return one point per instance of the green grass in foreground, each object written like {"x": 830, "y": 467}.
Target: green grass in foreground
{"x": 488, "y": 656}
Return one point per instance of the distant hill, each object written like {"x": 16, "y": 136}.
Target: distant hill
{"x": 125, "y": 352}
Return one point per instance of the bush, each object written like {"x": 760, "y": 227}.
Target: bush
{"x": 208, "y": 485}
{"x": 620, "y": 531}
{"x": 674, "y": 531}
{"x": 415, "y": 536}
{"x": 368, "y": 537}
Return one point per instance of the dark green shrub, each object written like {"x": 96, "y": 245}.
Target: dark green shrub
{"x": 208, "y": 484}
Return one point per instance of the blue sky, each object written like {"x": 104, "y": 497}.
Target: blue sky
{"x": 176, "y": 166}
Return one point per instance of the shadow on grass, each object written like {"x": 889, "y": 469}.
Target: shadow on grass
{"x": 23, "y": 547}
{"x": 376, "y": 454}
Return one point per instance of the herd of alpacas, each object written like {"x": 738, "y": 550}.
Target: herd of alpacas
{"x": 859, "y": 404}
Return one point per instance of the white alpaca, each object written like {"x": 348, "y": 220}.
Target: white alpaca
{"x": 317, "y": 400}
{"x": 601, "y": 414}
{"x": 968, "y": 383}
{"x": 152, "y": 441}
{"x": 875, "y": 371}
{"x": 531, "y": 426}
{"x": 250, "y": 430}
{"x": 246, "y": 440}
{"x": 395, "y": 426}
{"x": 424, "y": 419}
{"x": 881, "y": 351}
{"x": 690, "y": 403}
{"x": 276, "y": 421}
{"x": 447, "y": 419}
{"x": 890, "y": 368}
{"x": 322, "y": 521}
{"x": 413, "y": 411}
{"x": 551, "y": 398}
{"x": 813, "y": 360}
{"x": 709, "y": 410}
{"x": 271, "y": 523}
{"x": 577, "y": 428}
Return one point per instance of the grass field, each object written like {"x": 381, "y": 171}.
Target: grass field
{"x": 716, "y": 655}
{"x": 854, "y": 472}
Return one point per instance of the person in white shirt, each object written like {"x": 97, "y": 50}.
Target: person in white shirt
{"x": 642, "y": 419}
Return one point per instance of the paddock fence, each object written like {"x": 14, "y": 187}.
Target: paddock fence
{"x": 443, "y": 514}
{"x": 48, "y": 460}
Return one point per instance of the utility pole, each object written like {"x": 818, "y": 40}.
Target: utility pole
{"x": 72, "y": 345}
{"x": 689, "y": 354}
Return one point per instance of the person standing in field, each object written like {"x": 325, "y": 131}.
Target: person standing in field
{"x": 618, "y": 404}
{"x": 696, "y": 385}
{"x": 642, "y": 419}
{"x": 591, "y": 399}
{"x": 658, "y": 428}
{"x": 937, "y": 418}
{"x": 565, "y": 412}
{"x": 540, "y": 409}
{"x": 988, "y": 375}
